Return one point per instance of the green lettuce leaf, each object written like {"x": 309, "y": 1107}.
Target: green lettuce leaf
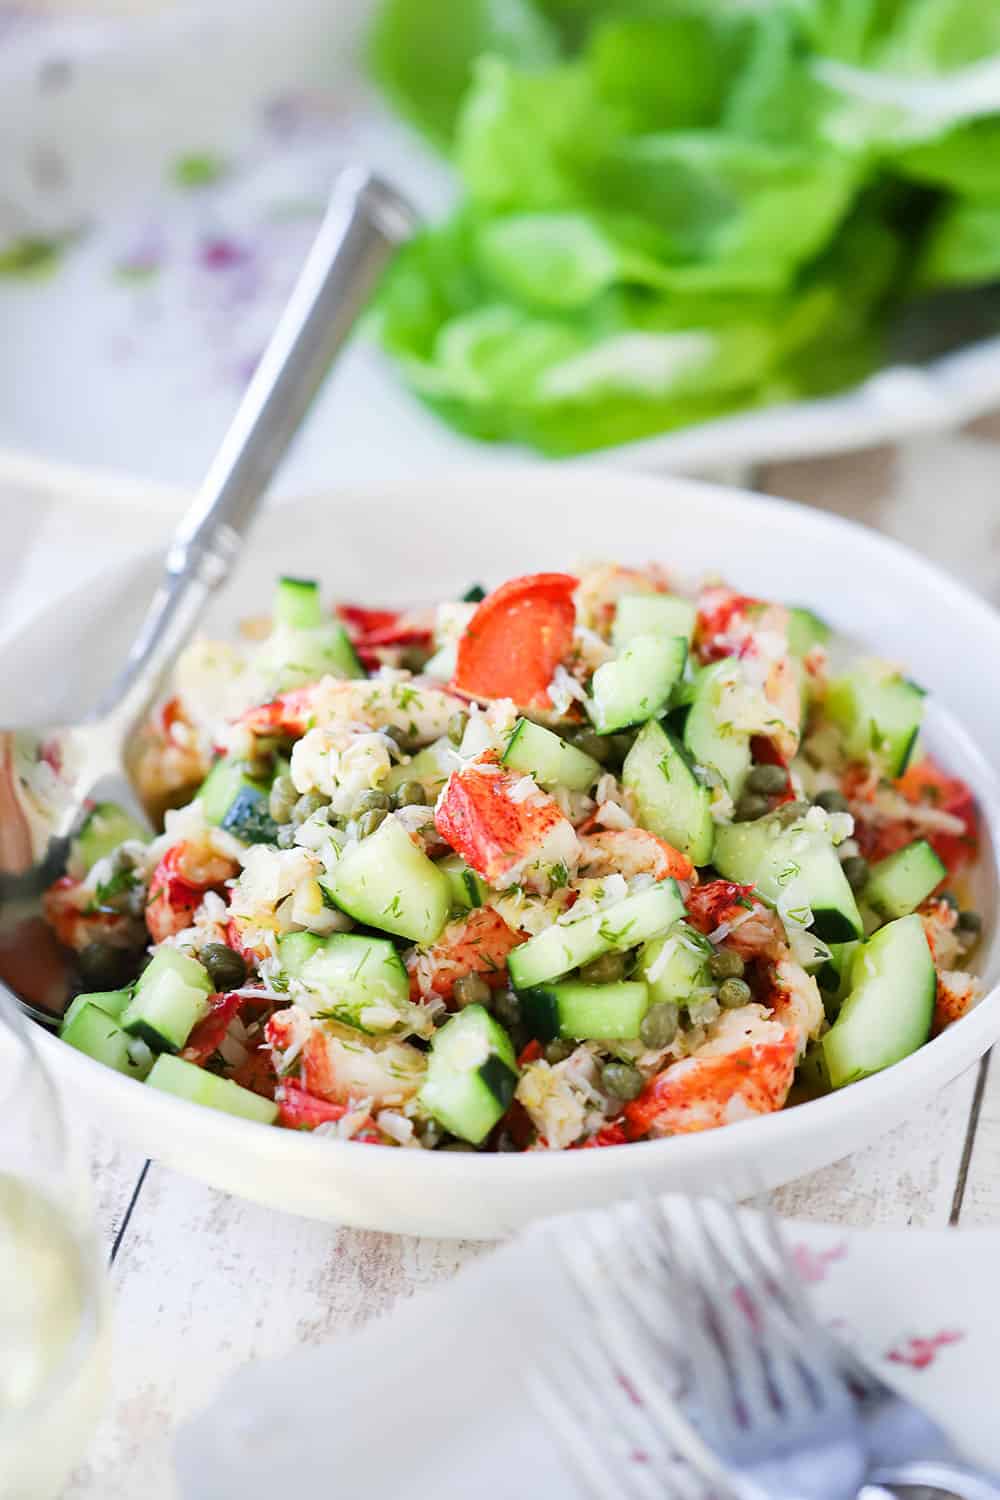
{"x": 423, "y": 52}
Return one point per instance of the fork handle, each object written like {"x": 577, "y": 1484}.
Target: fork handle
{"x": 363, "y": 225}
{"x": 951, "y": 1477}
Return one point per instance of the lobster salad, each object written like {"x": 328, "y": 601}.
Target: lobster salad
{"x": 586, "y": 860}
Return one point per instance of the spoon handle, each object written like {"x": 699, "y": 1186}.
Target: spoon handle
{"x": 363, "y": 225}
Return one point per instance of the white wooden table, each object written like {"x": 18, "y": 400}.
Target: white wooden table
{"x": 203, "y": 1282}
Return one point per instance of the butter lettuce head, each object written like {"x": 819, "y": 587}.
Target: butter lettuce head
{"x": 675, "y": 209}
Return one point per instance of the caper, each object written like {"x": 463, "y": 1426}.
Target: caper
{"x": 470, "y": 989}
{"x": 282, "y": 798}
{"x": 969, "y": 922}
{"x": 733, "y": 993}
{"x": 622, "y": 1080}
{"x": 507, "y": 1008}
{"x": 790, "y": 812}
{"x": 659, "y": 1025}
{"x": 226, "y": 968}
{"x": 104, "y": 967}
{"x": 431, "y": 1135}
{"x": 608, "y": 969}
{"x": 456, "y": 727}
{"x": 619, "y": 746}
{"x": 726, "y": 964}
{"x": 591, "y": 743}
{"x": 394, "y": 732}
{"x": 769, "y": 780}
{"x": 372, "y": 800}
{"x": 557, "y": 1051}
{"x": 831, "y": 800}
{"x": 369, "y": 821}
{"x": 855, "y": 869}
{"x": 308, "y": 803}
{"x": 750, "y": 806}
{"x": 409, "y": 794}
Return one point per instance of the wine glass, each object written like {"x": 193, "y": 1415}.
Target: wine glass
{"x": 52, "y": 1295}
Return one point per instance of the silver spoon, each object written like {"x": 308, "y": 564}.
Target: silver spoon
{"x": 50, "y": 774}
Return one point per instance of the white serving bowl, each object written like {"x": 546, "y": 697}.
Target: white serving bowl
{"x": 431, "y": 537}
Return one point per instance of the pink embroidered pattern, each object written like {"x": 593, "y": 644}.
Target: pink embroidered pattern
{"x": 919, "y": 1352}
{"x": 814, "y": 1265}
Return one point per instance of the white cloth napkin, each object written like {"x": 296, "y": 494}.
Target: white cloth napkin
{"x": 430, "y": 1400}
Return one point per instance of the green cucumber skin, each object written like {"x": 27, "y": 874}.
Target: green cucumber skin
{"x": 707, "y": 741}
{"x": 671, "y": 801}
{"x": 878, "y": 717}
{"x": 889, "y": 1009}
{"x": 899, "y": 883}
{"x": 636, "y": 685}
{"x": 585, "y": 1012}
{"x": 559, "y": 949}
{"x": 297, "y": 603}
{"x": 540, "y": 752}
{"x": 97, "y": 1034}
{"x": 652, "y": 614}
{"x": 172, "y": 1075}
{"x": 470, "y": 1098}
{"x": 105, "y": 827}
{"x": 757, "y": 853}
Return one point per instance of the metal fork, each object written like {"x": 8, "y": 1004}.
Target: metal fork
{"x": 906, "y": 1447}
{"x": 674, "y": 1290}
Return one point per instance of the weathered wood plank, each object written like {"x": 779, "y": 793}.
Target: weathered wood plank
{"x": 202, "y": 1284}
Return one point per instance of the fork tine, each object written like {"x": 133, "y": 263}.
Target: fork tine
{"x": 574, "y": 1435}
{"x": 818, "y": 1353}
{"x": 731, "y": 1318}
{"x": 705, "y": 1354}
{"x": 800, "y": 1378}
{"x": 581, "y": 1258}
{"x": 635, "y": 1348}
{"x": 627, "y": 1349}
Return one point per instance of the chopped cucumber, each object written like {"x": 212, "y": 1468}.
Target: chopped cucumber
{"x": 237, "y": 803}
{"x": 105, "y": 827}
{"x": 636, "y": 686}
{"x": 890, "y": 1007}
{"x": 565, "y": 946}
{"x": 466, "y": 887}
{"x": 879, "y": 715}
{"x": 170, "y": 998}
{"x": 471, "y": 1074}
{"x": 292, "y": 657}
{"x": 348, "y": 972}
{"x": 90, "y": 1029}
{"x": 542, "y": 754}
{"x": 776, "y": 859}
{"x": 708, "y": 736}
{"x": 444, "y": 663}
{"x": 112, "y": 1002}
{"x": 676, "y": 966}
{"x": 812, "y": 1072}
{"x": 297, "y": 603}
{"x": 385, "y": 881}
{"x": 295, "y": 949}
{"x": 897, "y": 884}
{"x": 652, "y": 614}
{"x": 834, "y": 977}
{"x": 585, "y": 1011}
{"x": 174, "y": 1076}
{"x": 670, "y": 801}
{"x": 431, "y": 767}
{"x": 806, "y": 630}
